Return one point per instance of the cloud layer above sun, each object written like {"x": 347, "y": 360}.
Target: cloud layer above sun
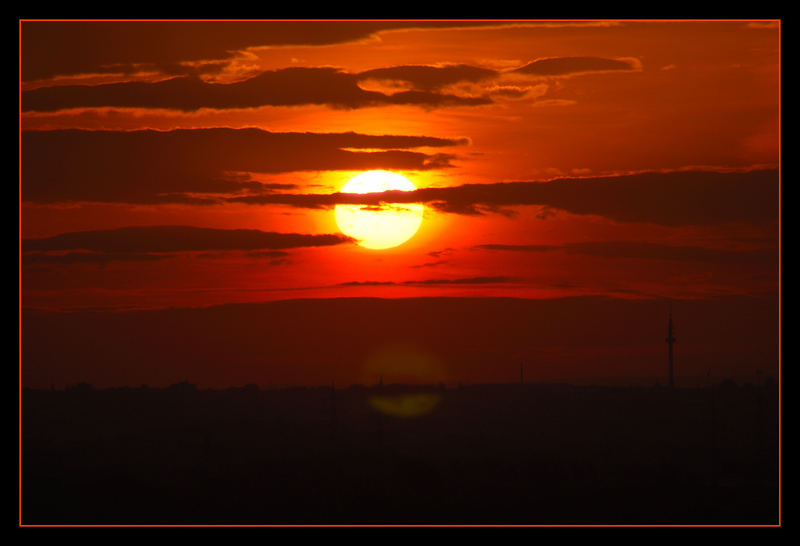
{"x": 200, "y": 162}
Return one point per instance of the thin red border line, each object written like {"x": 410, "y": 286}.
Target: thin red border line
{"x": 780, "y": 406}
{"x": 780, "y": 402}
{"x": 418, "y": 20}
{"x": 20, "y": 273}
{"x": 407, "y": 525}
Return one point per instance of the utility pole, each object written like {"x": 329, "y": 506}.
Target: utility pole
{"x": 671, "y": 341}
{"x": 334, "y": 419}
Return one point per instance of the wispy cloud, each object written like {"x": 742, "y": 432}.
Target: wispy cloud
{"x": 567, "y": 66}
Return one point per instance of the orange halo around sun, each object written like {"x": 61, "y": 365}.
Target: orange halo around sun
{"x": 385, "y": 226}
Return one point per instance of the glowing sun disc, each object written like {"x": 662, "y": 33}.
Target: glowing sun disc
{"x": 383, "y": 226}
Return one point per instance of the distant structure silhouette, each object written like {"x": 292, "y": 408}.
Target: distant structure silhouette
{"x": 333, "y": 416}
{"x": 670, "y": 342}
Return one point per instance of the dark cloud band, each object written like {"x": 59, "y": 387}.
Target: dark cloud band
{"x": 145, "y": 239}
{"x": 673, "y": 198}
{"x": 287, "y": 87}
{"x": 307, "y": 86}
{"x": 51, "y": 48}
{"x": 649, "y": 251}
{"x": 182, "y": 165}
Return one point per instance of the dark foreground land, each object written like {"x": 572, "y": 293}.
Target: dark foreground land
{"x": 491, "y": 454}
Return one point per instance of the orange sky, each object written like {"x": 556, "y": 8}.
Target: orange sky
{"x": 646, "y": 155}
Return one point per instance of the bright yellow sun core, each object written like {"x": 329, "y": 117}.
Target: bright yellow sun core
{"x": 379, "y": 226}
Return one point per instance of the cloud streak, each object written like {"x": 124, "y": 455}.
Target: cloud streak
{"x": 147, "y": 239}
{"x": 649, "y": 251}
{"x": 456, "y": 281}
{"x": 430, "y": 78}
{"x": 51, "y": 48}
{"x": 286, "y": 87}
{"x": 333, "y": 87}
{"x": 102, "y": 258}
{"x": 666, "y": 198}
{"x": 190, "y": 166}
{"x": 76, "y": 165}
{"x": 567, "y": 66}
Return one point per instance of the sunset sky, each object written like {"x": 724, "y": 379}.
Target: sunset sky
{"x": 181, "y": 165}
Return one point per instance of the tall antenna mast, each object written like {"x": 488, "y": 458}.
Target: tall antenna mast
{"x": 670, "y": 342}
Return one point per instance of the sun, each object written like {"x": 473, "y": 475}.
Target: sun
{"x": 381, "y": 226}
